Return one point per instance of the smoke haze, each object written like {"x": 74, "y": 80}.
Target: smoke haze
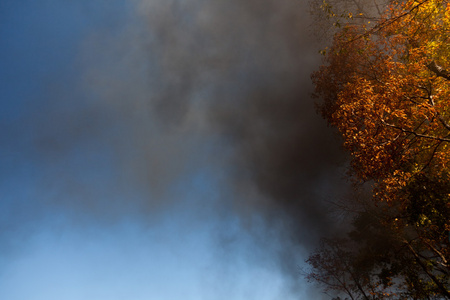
{"x": 200, "y": 110}
{"x": 222, "y": 85}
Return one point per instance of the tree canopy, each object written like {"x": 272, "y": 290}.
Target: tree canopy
{"x": 385, "y": 85}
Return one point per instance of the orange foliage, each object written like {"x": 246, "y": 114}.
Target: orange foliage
{"x": 387, "y": 91}
{"x": 386, "y": 88}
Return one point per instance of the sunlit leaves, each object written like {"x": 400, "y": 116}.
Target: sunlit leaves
{"x": 386, "y": 88}
{"x": 378, "y": 90}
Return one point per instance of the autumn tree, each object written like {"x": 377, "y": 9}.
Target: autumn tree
{"x": 330, "y": 15}
{"x": 385, "y": 86}
{"x": 378, "y": 260}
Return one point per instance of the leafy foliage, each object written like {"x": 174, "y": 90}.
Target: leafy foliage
{"x": 386, "y": 88}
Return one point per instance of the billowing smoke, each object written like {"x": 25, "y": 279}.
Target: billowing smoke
{"x": 216, "y": 91}
{"x": 225, "y": 84}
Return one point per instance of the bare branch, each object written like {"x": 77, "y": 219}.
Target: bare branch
{"x": 424, "y": 268}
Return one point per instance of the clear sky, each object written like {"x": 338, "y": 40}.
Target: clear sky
{"x": 128, "y": 166}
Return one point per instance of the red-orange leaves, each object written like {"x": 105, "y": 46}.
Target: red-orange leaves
{"x": 387, "y": 91}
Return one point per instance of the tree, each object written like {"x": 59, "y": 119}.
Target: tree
{"x": 386, "y": 88}
{"x": 379, "y": 260}
{"x": 386, "y": 91}
{"x": 330, "y": 15}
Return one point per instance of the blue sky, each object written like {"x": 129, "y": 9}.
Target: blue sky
{"x": 115, "y": 183}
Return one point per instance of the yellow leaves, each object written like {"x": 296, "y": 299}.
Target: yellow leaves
{"x": 423, "y": 220}
{"x": 380, "y": 93}
{"x": 323, "y": 51}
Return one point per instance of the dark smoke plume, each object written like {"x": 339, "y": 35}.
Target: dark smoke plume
{"x": 233, "y": 75}
{"x": 247, "y": 64}
{"x": 192, "y": 85}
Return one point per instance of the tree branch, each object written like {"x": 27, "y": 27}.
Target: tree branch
{"x": 440, "y": 118}
{"x": 439, "y": 284}
{"x": 425, "y": 136}
{"x": 438, "y": 70}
